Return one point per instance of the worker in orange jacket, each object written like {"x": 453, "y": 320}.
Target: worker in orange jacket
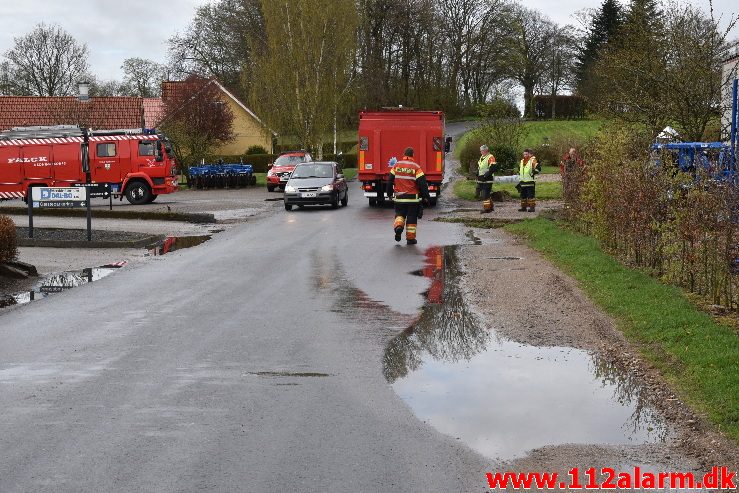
{"x": 407, "y": 183}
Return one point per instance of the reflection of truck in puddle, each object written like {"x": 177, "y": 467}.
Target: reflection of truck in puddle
{"x": 434, "y": 270}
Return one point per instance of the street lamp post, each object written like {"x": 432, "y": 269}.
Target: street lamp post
{"x": 84, "y": 97}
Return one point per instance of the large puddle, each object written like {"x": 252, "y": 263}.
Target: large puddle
{"x": 56, "y": 283}
{"x": 503, "y": 398}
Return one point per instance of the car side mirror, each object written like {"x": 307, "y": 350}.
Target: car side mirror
{"x": 269, "y": 165}
{"x": 340, "y": 176}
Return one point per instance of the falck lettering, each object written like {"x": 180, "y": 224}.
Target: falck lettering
{"x": 39, "y": 159}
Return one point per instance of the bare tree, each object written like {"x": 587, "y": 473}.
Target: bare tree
{"x": 529, "y": 50}
{"x": 219, "y": 43}
{"x": 143, "y": 77}
{"x": 48, "y": 61}
{"x": 665, "y": 69}
{"x": 560, "y": 71}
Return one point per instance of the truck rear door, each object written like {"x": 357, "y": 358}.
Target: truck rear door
{"x": 394, "y": 142}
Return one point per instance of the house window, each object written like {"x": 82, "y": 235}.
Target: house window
{"x": 146, "y": 148}
{"x": 106, "y": 150}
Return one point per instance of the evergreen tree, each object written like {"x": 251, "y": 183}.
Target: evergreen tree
{"x": 604, "y": 27}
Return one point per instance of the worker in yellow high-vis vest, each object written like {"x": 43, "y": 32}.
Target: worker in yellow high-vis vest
{"x": 528, "y": 169}
{"x": 485, "y": 168}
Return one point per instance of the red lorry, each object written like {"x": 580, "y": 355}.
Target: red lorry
{"x": 386, "y": 134}
{"x": 137, "y": 165}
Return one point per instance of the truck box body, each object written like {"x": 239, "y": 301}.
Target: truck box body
{"x": 115, "y": 159}
{"x": 386, "y": 134}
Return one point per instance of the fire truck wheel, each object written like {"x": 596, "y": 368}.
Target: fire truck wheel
{"x": 153, "y": 198}
{"x": 138, "y": 192}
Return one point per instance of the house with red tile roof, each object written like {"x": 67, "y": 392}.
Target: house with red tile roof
{"x": 118, "y": 112}
{"x": 103, "y": 113}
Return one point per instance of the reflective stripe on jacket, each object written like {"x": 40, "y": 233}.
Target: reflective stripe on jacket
{"x": 485, "y": 163}
{"x": 405, "y": 180}
{"x": 484, "y": 167}
{"x": 526, "y": 171}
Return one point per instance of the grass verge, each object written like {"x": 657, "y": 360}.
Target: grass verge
{"x": 465, "y": 189}
{"x": 697, "y": 355}
{"x": 553, "y": 130}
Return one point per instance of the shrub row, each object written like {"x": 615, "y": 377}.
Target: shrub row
{"x": 680, "y": 227}
{"x": 564, "y": 106}
{"x": 261, "y": 162}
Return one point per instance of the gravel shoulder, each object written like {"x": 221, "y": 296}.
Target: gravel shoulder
{"x": 499, "y": 270}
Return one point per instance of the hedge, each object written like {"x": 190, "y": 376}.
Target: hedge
{"x": 260, "y": 162}
{"x": 8, "y": 244}
{"x": 565, "y": 106}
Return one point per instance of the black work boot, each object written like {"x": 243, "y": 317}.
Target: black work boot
{"x": 411, "y": 242}
{"x": 398, "y": 234}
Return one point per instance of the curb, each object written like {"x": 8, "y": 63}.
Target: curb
{"x": 190, "y": 217}
{"x": 138, "y": 243}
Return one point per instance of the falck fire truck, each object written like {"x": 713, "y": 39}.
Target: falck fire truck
{"x": 386, "y": 134}
{"x": 138, "y": 164}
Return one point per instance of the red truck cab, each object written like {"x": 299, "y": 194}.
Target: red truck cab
{"x": 385, "y": 134}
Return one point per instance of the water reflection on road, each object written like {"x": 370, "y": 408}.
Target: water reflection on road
{"x": 503, "y": 398}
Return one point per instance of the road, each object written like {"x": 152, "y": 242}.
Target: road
{"x": 239, "y": 365}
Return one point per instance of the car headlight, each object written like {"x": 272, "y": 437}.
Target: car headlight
{"x": 327, "y": 188}
{"x": 290, "y": 189}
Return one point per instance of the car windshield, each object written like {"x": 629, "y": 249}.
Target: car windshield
{"x": 314, "y": 171}
{"x": 289, "y": 160}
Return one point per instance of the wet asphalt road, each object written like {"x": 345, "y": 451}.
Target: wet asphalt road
{"x": 240, "y": 365}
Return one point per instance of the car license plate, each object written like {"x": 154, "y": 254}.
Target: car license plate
{"x": 284, "y": 178}
{"x": 307, "y": 195}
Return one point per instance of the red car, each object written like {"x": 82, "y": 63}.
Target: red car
{"x": 280, "y": 171}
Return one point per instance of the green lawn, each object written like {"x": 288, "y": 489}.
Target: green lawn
{"x": 465, "y": 189}
{"x": 697, "y": 355}
{"x": 557, "y": 129}
{"x": 552, "y": 129}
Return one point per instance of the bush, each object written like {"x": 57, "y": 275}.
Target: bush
{"x": 564, "y": 106}
{"x": 256, "y": 150}
{"x": 8, "y": 244}
{"x": 498, "y": 108}
{"x": 675, "y": 225}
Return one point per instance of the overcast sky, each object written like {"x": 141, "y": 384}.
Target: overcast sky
{"x": 118, "y": 29}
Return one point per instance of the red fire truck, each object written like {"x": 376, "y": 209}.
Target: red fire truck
{"x": 386, "y": 134}
{"x": 137, "y": 165}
